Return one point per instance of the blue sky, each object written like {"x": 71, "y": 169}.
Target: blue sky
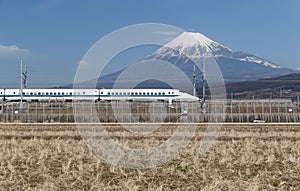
{"x": 52, "y": 36}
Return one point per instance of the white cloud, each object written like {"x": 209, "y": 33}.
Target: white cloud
{"x": 12, "y": 50}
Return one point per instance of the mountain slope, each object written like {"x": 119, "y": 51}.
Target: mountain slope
{"x": 287, "y": 86}
{"x": 234, "y": 65}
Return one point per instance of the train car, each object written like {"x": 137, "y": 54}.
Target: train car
{"x": 169, "y": 95}
{"x": 146, "y": 94}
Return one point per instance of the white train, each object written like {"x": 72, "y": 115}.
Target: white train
{"x": 169, "y": 95}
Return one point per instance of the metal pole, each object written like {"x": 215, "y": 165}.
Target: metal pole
{"x": 2, "y": 107}
{"x": 280, "y": 92}
{"x": 254, "y": 110}
{"x": 21, "y": 83}
{"x": 59, "y": 113}
{"x": 12, "y": 113}
{"x": 239, "y": 111}
{"x": 203, "y": 79}
{"x": 247, "y": 112}
{"x": 270, "y": 108}
{"x": 194, "y": 80}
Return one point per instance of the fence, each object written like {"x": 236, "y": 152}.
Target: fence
{"x": 133, "y": 112}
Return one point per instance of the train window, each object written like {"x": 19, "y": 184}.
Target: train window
{"x": 140, "y": 93}
{"x": 147, "y": 93}
{"x": 58, "y": 93}
{"x": 83, "y": 93}
{"x": 136, "y": 93}
{"x": 1, "y": 93}
{"x": 70, "y": 93}
{"x": 169, "y": 92}
{"x": 63, "y": 93}
{"x": 163, "y": 93}
{"x": 144, "y": 93}
{"x": 108, "y": 93}
{"x": 51, "y": 93}
{"x": 151, "y": 93}
{"x": 39, "y": 93}
{"x": 155, "y": 93}
{"x": 47, "y": 93}
{"x": 31, "y": 93}
{"x": 172, "y": 92}
{"x": 54, "y": 93}
{"x": 101, "y": 92}
{"x": 14, "y": 92}
{"x": 159, "y": 93}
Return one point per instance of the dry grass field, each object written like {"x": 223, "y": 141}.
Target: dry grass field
{"x": 244, "y": 157}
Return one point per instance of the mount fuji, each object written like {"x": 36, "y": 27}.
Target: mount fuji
{"x": 235, "y": 66}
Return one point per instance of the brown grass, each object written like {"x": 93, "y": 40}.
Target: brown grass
{"x": 245, "y": 157}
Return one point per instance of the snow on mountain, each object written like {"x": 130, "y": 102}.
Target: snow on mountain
{"x": 196, "y": 44}
{"x": 235, "y": 65}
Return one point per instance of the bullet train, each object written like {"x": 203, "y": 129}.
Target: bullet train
{"x": 169, "y": 95}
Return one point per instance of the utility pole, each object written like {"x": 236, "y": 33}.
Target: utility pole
{"x": 21, "y": 83}
{"x": 280, "y": 93}
{"x": 3, "y": 100}
{"x": 194, "y": 80}
{"x": 203, "y": 79}
{"x": 23, "y": 79}
{"x": 203, "y": 106}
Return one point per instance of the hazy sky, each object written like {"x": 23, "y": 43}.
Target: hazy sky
{"x": 52, "y": 36}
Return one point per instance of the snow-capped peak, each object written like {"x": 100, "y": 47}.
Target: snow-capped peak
{"x": 189, "y": 39}
{"x": 195, "y": 44}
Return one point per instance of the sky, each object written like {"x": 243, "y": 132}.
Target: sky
{"x": 52, "y": 36}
